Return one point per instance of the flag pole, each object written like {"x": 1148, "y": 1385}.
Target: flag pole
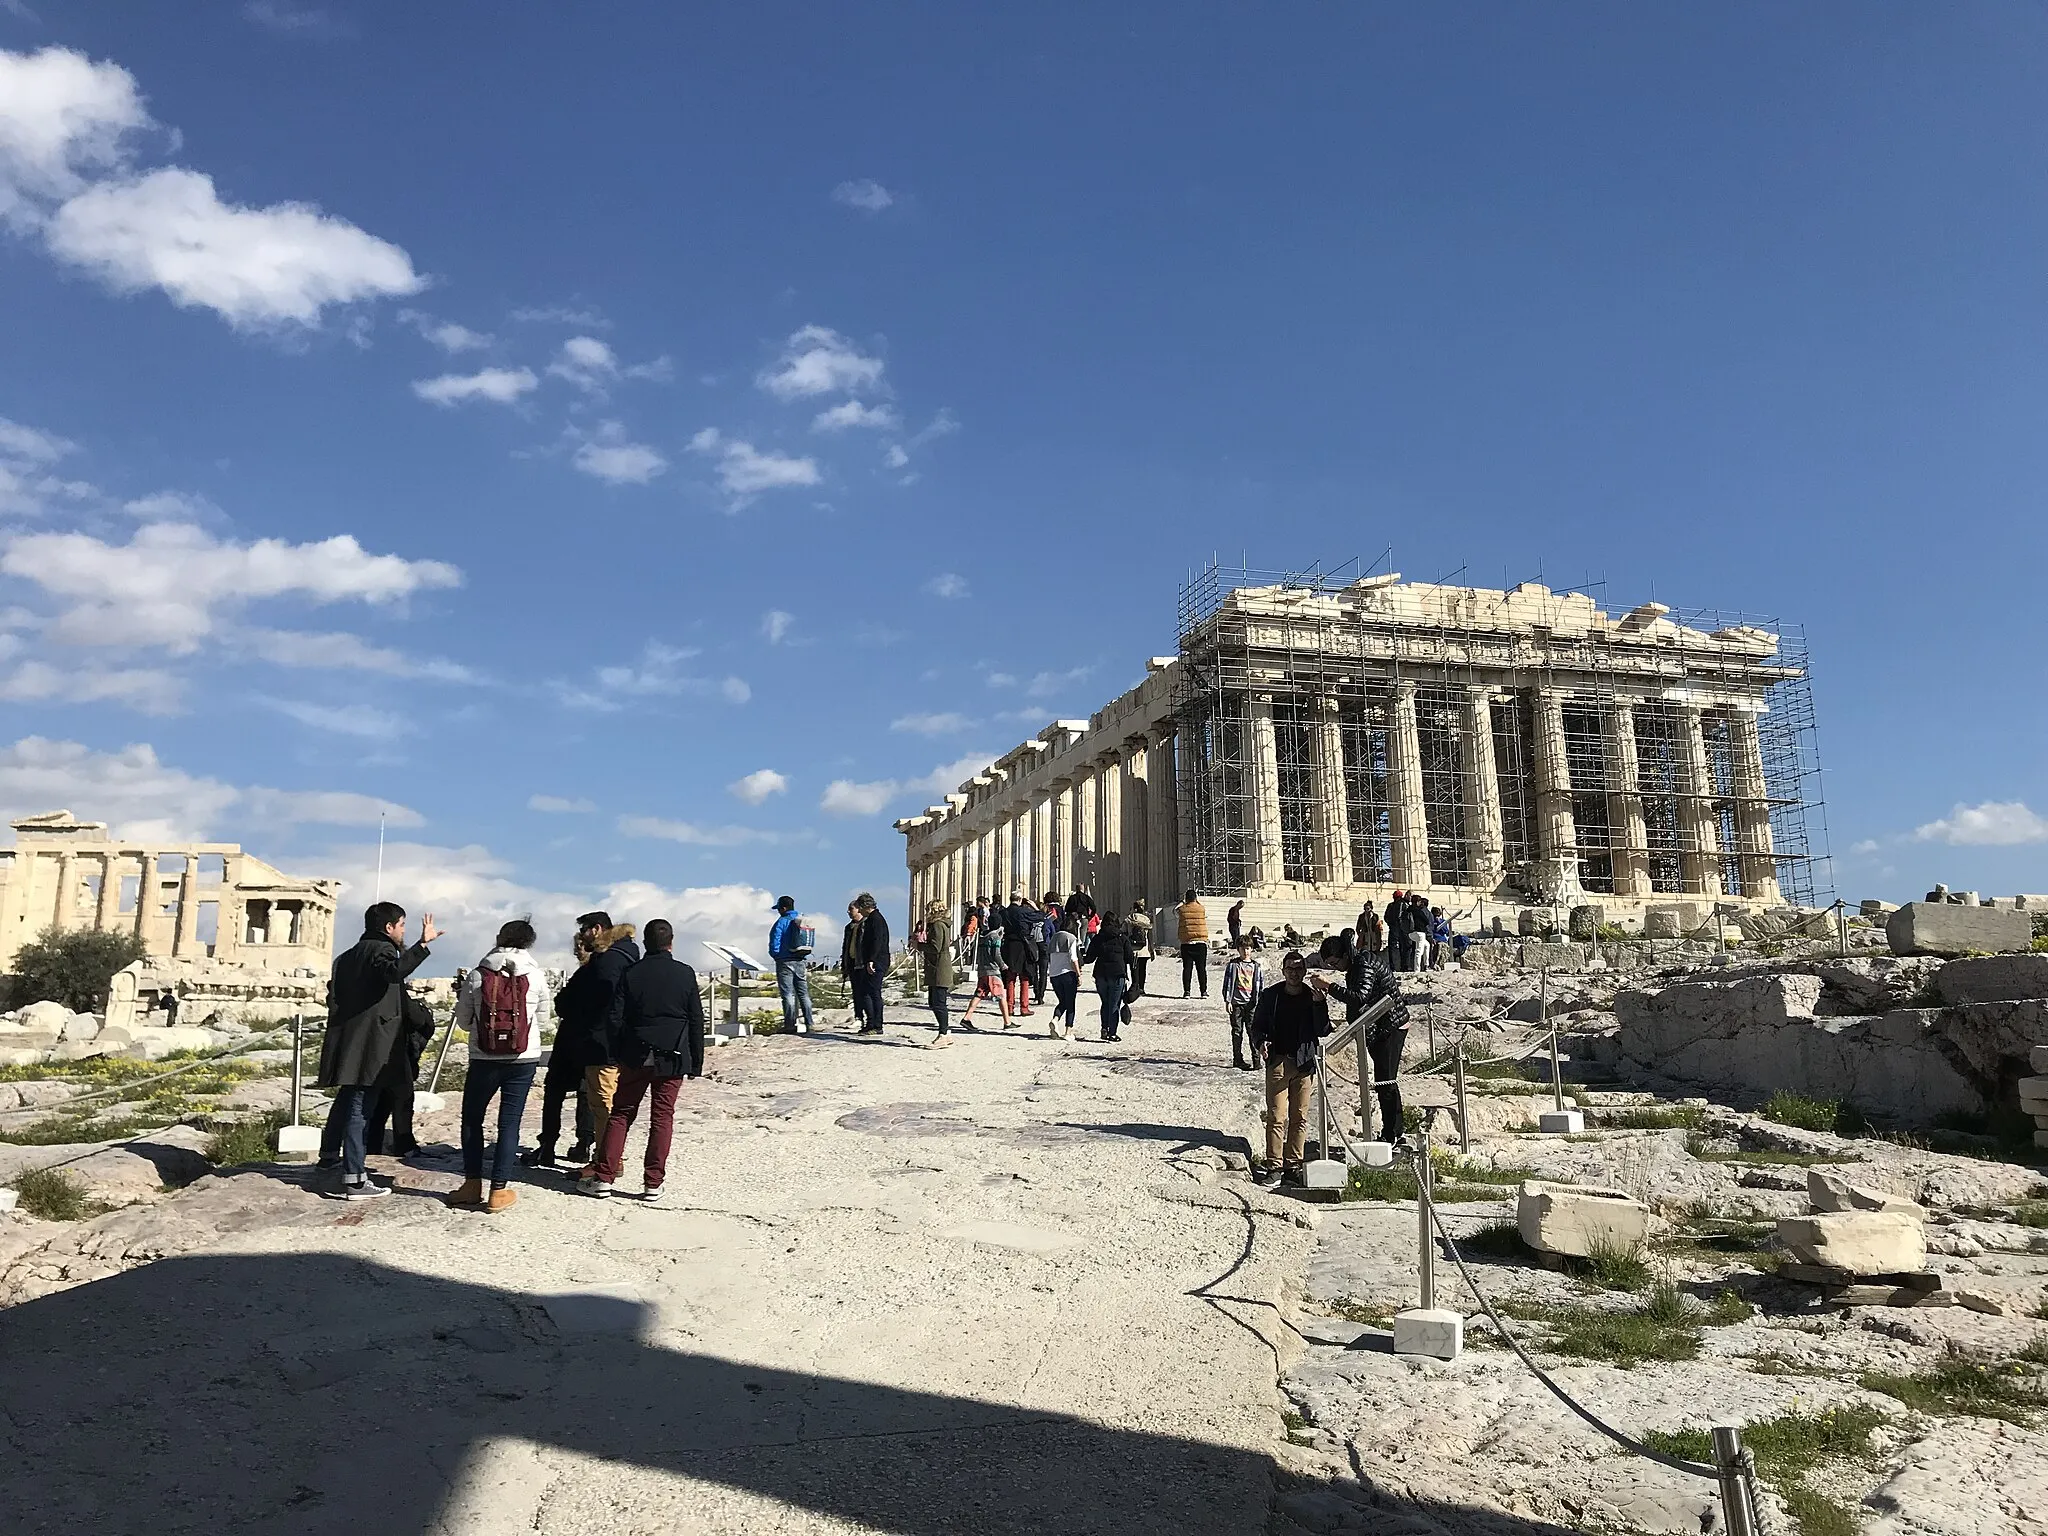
{"x": 380, "y": 858}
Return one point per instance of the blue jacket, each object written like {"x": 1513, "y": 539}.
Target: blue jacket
{"x": 780, "y": 935}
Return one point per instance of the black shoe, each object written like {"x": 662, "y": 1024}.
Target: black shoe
{"x": 1266, "y": 1178}
{"x": 1112, "y": 1039}
{"x": 539, "y": 1157}
{"x": 578, "y": 1156}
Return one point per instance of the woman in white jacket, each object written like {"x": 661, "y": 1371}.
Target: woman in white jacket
{"x": 503, "y": 1005}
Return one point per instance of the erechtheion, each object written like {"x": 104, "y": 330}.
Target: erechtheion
{"x": 1315, "y": 745}
{"x": 185, "y": 901}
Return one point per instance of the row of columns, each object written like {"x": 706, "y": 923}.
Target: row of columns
{"x": 1111, "y": 823}
{"x": 185, "y": 941}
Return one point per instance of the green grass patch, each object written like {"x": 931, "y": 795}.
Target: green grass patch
{"x": 67, "y": 1130}
{"x": 1378, "y": 1314}
{"x": 1657, "y": 1117}
{"x": 1784, "y": 1365}
{"x": 1615, "y": 1267}
{"x": 2009, "y": 1390}
{"x": 1697, "y": 1148}
{"x": 246, "y": 1141}
{"x": 1626, "y": 1339}
{"x": 1787, "y": 1449}
{"x": 2032, "y": 1214}
{"x": 1456, "y": 1182}
{"x": 1495, "y": 1240}
{"x": 1484, "y": 1070}
{"x": 1838, "y": 1116}
{"x": 51, "y": 1194}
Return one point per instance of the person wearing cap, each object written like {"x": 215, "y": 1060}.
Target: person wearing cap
{"x": 792, "y": 957}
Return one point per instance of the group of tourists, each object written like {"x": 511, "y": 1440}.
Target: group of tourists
{"x": 1412, "y": 934}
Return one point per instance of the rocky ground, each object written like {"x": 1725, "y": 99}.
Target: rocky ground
{"x": 1017, "y": 1285}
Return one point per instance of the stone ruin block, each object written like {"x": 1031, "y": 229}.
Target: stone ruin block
{"x": 1856, "y": 1242}
{"x": 1828, "y": 1190}
{"x": 1660, "y": 923}
{"x": 1583, "y": 922}
{"x": 1939, "y": 928}
{"x": 1556, "y": 1218}
{"x": 1993, "y": 979}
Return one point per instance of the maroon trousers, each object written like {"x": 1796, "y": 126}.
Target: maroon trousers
{"x": 634, "y": 1082}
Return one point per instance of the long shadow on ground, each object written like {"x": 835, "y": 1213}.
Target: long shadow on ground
{"x": 316, "y": 1393}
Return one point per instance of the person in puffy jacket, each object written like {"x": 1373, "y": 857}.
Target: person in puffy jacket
{"x": 503, "y": 1007}
{"x": 584, "y": 1006}
{"x": 1109, "y": 954}
{"x": 656, "y": 1035}
{"x": 1192, "y": 931}
{"x": 791, "y": 960}
{"x": 933, "y": 940}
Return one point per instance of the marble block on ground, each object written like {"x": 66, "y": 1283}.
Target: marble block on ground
{"x": 1431, "y": 1331}
{"x": 1562, "y": 1122}
{"x": 1858, "y": 1242}
{"x": 1554, "y": 1218}
{"x": 298, "y": 1143}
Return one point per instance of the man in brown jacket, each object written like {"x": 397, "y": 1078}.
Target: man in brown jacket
{"x": 1194, "y": 944}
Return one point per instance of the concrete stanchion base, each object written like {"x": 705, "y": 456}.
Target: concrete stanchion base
{"x": 1375, "y": 1154}
{"x": 1561, "y": 1122}
{"x": 1324, "y": 1173}
{"x": 298, "y": 1143}
{"x": 425, "y": 1103}
{"x": 1431, "y": 1331}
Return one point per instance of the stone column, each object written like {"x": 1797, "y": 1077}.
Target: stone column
{"x": 1332, "y": 826}
{"x": 1699, "y": 830}
{"x": 1002, "y": 842}
{"x": 1020, "y": 851}
{"x": 1759, "y": 864}
{"x": 144, "y": 898}
{"x": 1631, "y": 848}
{"x": 1137, "y": 828}
{"x": 1408, "y": 822}
{"x": 953, "y": 897}
{"x": 1061, "y": 875}
{"x": 970, "y": 869}
{"x": 1109, "y": 894}
{"x": 1557, "y": 835}
{"x": 1162, "y": 805}
{"x": 187, "y": 941}
{"x": 1269, "y": 865}
{"x": 1041, "y": 848}
{"x": 110, "y": 893}
{"x": 1486, "y": 848}
{"x": 1087, "y": 844}
{"x": 67, "y": 891}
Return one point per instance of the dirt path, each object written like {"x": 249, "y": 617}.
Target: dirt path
{"x": 1003, "y": 1287}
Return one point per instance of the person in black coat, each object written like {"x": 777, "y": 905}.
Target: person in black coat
{"x": 580, "y": 1058}
{"x": 656, "y": 1036}
{"x": 390, "y": 1115}
{"x": 1367, "y": 979}
{"x": 1286, "y": 1032}
{"x": 871, "y": 962}
{"x": 1397, "y": 931}
{"x": 365, "y": 1029}
{"x": 1111, "y": 958}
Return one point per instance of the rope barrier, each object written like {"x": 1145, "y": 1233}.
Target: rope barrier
{"x": 120, "y": 1091}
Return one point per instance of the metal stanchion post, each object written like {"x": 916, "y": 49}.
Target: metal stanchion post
{"x": 1841, "y": 928}
{"x": 1366, "y": 1099}
{"x": 1556, "y": 1069}
{"x": 1464, "y": 1125}
{"x": 441, "y": 1056}
{"x": 1424, "y": 1177}
{"x": 1738, "y": 1514}
{"x": 298, "y": 1066}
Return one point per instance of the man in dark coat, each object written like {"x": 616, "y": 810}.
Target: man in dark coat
{"x": 656, "y": 1036}
{"x": 365, "y": 1029}
{"x": 871, "y": 961}
{"x": 580, "y": 1060}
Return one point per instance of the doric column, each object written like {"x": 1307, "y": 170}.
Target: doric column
{"x": 1001, "y": 876}
{"x": 67, "y": 891}
{"x": 1759, "y": 864}
{"x": 1409, "y": 823}
{"x": 110, "y": 893}
{"x": 953, "y": 898}
{"x": 187, "y": 941}
{"x": 1061, "y": 875}
{"x": 1699, "y": 831}
{"x": 1269, "y": 863}
{"x": 145, "y": 894}
{"x": 1109, "y": 810}
{"x": 970, "y": 870}
{"x": 1162, "y": 805}
{"x": 1631, "y": 845}
{"x": 1087, "y": 839}
{"x": 1486, "y": 849}
{"x": 1020, "y": 851}
{"x": 1137, "y": 829}
{"x": 1332, "y": 814}
{"x": 1041, "y": 847}
{"x": 1557, "y": 835}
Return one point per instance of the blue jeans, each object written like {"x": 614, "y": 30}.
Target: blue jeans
{"x": 342, "y": 1139}
{"x": 510, "y": 1081}
{"x": 794, "y": 983}
{"x": 1066, "y": 990}
{"x": 1112, "y": 990}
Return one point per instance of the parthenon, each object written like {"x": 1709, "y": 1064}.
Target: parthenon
{"x": 1313, "y": 746}
{"x": 183, "y": 900}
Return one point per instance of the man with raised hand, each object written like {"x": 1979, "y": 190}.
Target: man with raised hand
{"x": 365, "y": 1015}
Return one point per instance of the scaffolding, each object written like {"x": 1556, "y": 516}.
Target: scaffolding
{"x": 1646, "y": 812}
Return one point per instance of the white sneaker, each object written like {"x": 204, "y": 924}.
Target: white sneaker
{"x": 653, "y": 1196}
{"x": 597, "y": 1189}
{"x": 369, "y": 1189}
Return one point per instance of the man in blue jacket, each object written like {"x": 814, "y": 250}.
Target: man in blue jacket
{"x": 792, "y": 960}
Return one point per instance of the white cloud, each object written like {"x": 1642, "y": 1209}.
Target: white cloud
{"x": 894, "y": 456}
{"x": 1993, "y": 824}
{"x": 556, "y": 805}
{"x": 609, "y": 456}
{"x": 563, "y": 314}
{"x": 775, "y": 624}
{"x": 704, "y": 837}
{"x": 867, "y": 196}
{"x": 26, "y": 455}
{"x": 171, "y": 507}
{"x": 31, "y": 444}
{"x": 744, "y": 471}
{"x": 342, "y": 652}
{"x": 499, "y": 385}
{"x": 587, "y": 363}
{"x": 931, "y": 725}
{"x": 341, "y": 719}
{"x": 851, "y": 413}
{"x": 63, "y": 118}
{"x": 140, "y": 688}
{"x": 1045, "y": 685}
{"x": 162, "y": 587}
{"x": 657, "y": 673}
{"x": 817, "y": 360}
{"x": 293, "y": 18}
{"x": 139, "y": 797}
{"x": 942, "y": 425}
{"x": 844, "y": 797}
{"x": 947, "y": 584}
{"x": 758, "y": 786}
{"x": 445, "y": 334}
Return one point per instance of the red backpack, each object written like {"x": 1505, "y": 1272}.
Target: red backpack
{"x": 500, "y": 1026}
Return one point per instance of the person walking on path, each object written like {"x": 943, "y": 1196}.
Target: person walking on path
{"x": 584, "y": 1011}
{"x": 849, "y": 965}
{"x": 1397, "y": 931}
{"x": 1367, "y": 979}
{"x": 365, "y": 1017}
{"x": 873, "y": 959}
{"x": 1418, "y": 932}
{"x": 1244, "y": 979}
{"x": 1111, "y": 955}
{"x": 1063, "y": 971}
{"x": 933, "y": 941}
{"x": 1233, "y": 920}
{"x": 988, "y": 974}
{"x": 1192, "y": 931}
{"x": 503, "y": 1006}
{"x": 1286, "y": 1032}
{"x": 1439, "y": 939}
{"x": 1020, "y": 927}
{"x": 657, "y": 1037}
{"x": 1138, "y": 929}
{"x": 1371, "y": 933}
{"x": 790, "y": 941}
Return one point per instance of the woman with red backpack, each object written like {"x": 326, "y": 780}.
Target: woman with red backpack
{"x": 503, "y": 1005}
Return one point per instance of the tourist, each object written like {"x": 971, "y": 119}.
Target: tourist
{"x": 502, "y": 1007}
{"x": 390, "y": 1107}
{"x": 565, "y": 1071}
{"x": 1439, "y": 939}
{"x": 1418, "y": 932}
{"x": 365, "y": 1016}
{"x": 1063, "y": 970}
{"x": 1397, "y": 931}
{"x": 1049, "y": 924}
{"x": 970, "y": 925}
{"x": 849, "y": 965}
{"x": 1286, "y": 1029}
{"x": 988, "y": 975}
{"x": 657, "y": 1038}
{"x": 1081, "y": 904}
{"x": 1110, "y": 954}
{"x": 1243, "y": 980}
{"x": 1233, "y": 920}
{"x": 933, "y": 940}
{"x": 1138, "y": 930}
{"x": 583, "y": 1010}
{"x": 1367, "y": 979}
{"x": 1020, "y": 943}
{"x": 1192, "y": 932}
{"x": 790, "y": 942}
{"x": 875, "y": 957}
{"x": 1371, "y": 934}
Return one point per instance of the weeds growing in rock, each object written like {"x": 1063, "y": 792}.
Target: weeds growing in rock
{"x": 1838, "y": 1116}
{"x": 2008, "y": 1390}
{"x": 51, "y": 1194}
{"x": 1701, "y": 1150}
{"x": 1495, "y": 1240}
{"x": 1377, "y": 1313}
{"x": 1660, "y": 1117}
{"x": 1456, "y": 1182}
{"x": 1787, "y": 1449}
{"x": 1615, "y": 1267}
{"x": 246, "y": 1141}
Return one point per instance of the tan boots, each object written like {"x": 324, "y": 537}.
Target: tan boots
{"x": 471, "y": 1197}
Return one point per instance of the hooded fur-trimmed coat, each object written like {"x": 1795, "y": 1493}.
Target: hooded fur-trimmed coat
{"x": 583, "y": 1008}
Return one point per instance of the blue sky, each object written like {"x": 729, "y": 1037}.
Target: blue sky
{"x": 742, "y": 418}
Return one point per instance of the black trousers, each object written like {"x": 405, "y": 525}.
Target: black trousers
{"x": 564, "y": 1077}
{"x": 1384, "y": 1049}
{"x": 389, "y": 1120}
{"x": 867, "y": 999}
{"x": 1138, "y": 964}
{"x": 1194, "y": 962}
